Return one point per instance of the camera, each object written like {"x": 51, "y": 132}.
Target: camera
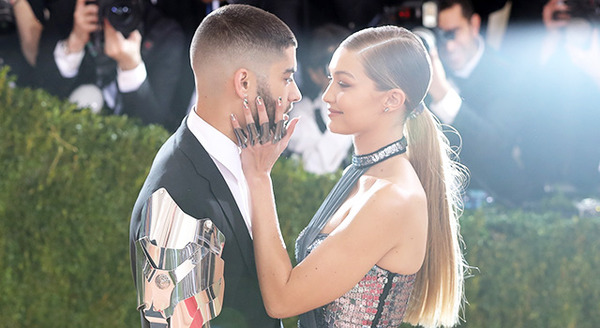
{"x": 411, "y": 14}
{"x": 418, "y": 16}
{"x": 124, "y": 15}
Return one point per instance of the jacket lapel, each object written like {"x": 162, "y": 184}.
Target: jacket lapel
{"x": 206, "y": 168}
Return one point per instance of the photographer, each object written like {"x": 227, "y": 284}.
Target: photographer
{"x": 134, "y": 66}
{"x": 563, "y": 136}
{"x": 477, "y": 92}
{"x": 574, "y": 26}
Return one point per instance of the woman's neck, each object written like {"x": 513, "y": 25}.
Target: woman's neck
{"x": 366, "y": 143}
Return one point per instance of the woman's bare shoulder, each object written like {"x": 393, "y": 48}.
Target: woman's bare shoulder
{"x": 384, "y": 199}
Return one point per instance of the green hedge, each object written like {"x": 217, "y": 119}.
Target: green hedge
{"x": 68, "y": 181}
{"x": 534, "y": 270}
{"x": 67, "y": 185}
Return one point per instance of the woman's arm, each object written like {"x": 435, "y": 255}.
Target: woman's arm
{"x": 377, "y": 226}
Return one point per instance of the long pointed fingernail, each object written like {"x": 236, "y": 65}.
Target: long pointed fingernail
{"x": 279, "y": 101}
{"x": 246, "y": 104}
{"x": 233, "y": 117}
{"x": 259, "y": 100}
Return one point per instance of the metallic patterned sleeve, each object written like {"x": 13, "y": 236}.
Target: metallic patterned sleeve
{"x": 179, "y": 269}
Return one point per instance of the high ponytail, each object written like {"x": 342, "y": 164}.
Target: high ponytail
{"x": 393, "y": 57}
{"x": 438, "y": 293}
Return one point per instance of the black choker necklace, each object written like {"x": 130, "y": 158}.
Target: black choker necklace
{"x": 395, "y": 148}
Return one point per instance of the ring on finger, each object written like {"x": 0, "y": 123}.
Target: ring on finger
{"x": 280, "y": 131}
{"x": 253, "y": 134}
{"x": 265, "y": 133}
{"x": 241, "y": 137}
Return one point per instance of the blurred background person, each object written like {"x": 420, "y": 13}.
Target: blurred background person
{"x": 477, "y": 91}
{"x": 353, "y": 15}
{"x": 320, "y": 150}
{"x": 132, "y": 67}
{"x": 564, "y": 140}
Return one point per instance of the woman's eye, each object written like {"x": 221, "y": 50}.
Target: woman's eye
{"x": 342, "y": 84}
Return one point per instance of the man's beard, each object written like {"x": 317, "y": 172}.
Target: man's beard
{"x": 268, "y": 100}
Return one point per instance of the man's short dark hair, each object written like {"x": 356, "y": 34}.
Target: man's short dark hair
{"x": 465, "y": 5}
{"x": 238, "y": 31}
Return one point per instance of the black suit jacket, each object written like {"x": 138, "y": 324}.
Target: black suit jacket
{"x": 185, "y": 169}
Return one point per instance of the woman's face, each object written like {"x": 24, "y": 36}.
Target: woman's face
{"x": 354, "y": 103}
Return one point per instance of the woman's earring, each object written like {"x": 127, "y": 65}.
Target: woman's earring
{"x": 385, "y": 110}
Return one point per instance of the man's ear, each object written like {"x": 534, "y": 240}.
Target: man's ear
{"x": 242, "y": 83}
{"x": 475, "y": 24}
{"x": 394, "y": 99}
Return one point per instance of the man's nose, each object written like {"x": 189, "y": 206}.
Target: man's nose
{"x": 295, "y": 95}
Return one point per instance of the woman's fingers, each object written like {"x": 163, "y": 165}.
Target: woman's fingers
{"x": 280, "y": 128}
{"x": 239, "y": 132}
{"x": 290, "y": 127}
{"x": 252, "y": 134}
{"x": 251, "y": 131}
{"x": 262, "y": 111}
{"x": 278, "y": 110}
{"x": 263, "y": 118}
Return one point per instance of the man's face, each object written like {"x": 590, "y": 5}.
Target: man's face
{"x": 279, "y": 83}
{"x": 458, "y": 43}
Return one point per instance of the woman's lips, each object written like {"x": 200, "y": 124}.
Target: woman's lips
{"x": 334, "y": 112}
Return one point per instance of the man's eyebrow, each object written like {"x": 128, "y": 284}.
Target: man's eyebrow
{"x": 290, "y": 70}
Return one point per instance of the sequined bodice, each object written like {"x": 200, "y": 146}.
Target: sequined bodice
{"x": 380, "y": 297}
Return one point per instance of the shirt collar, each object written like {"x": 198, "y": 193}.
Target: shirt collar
{"x": 217, "y": 144}
{"x": 466, "y": 71}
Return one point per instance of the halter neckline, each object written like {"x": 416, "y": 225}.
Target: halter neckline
{"x": 395, "y": 148}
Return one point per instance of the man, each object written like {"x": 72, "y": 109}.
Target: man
{"x": 238, "y": 52}
{"x": 134, "y": 73}
{"x": 479, "y": 97}
{"x": 563, "y": 136}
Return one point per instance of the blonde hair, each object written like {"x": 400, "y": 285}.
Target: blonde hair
{"x": 393, "y": 57}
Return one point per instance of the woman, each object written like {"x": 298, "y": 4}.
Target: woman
{"x": 384, "y": 247}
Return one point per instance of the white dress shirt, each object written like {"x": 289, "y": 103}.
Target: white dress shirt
{"x": 68, "y": 66}
{"x": 226, "y": 155}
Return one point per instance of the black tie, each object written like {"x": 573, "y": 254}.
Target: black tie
{"x": 319, "y": 119}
